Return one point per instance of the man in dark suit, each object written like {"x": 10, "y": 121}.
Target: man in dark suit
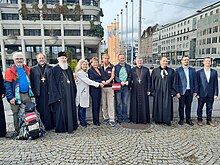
{"x": 185, "y": 88}
{"x": 207, "y": 90}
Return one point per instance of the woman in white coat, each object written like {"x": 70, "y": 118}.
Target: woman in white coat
{"x": 82, "y": 84}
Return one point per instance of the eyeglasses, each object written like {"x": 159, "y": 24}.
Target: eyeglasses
{"x": 19, "y": 59}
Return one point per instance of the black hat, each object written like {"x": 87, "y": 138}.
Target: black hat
{"x": 61, "y": 54}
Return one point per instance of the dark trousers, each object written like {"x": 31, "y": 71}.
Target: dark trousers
{"x": 209, "y": 105}
{"x": 185, "y": 102}
{"x": 82, "y": 115}
{"x": 96, "y": 100}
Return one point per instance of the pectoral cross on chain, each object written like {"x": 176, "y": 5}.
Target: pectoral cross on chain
{"x": 43, "y": 79}
{"x": 139, "y": 81}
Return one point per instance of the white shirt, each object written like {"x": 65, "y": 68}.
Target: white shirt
{"x": 207, "y": 73}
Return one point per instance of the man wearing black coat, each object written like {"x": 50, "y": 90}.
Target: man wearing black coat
{"x": 2, "y": 113}
{"x": 40, "y": 84}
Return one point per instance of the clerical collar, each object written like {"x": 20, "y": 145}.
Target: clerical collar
{"x": 163, "y": 68}
{"x": 139, "y": 67}
{"x": 41, "y": 65}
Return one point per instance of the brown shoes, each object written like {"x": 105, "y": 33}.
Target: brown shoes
{"x": 212, "y": 124}
{"x": 200, "y": 123}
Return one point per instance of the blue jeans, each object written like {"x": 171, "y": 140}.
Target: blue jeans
{"x": 82, "y": 115}
{"x": 122, "y": 103}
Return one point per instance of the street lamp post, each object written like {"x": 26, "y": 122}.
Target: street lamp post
{"x": 126, "y": 7}
{"x": 132, "y": 31}
{"x": 122, "y": 46}
{"x": 139, "y": 28}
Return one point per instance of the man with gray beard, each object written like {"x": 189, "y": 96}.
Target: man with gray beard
{"x": 17, "y": 86}
{"x": 62, "y": 94}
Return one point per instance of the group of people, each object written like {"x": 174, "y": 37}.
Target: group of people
{"x": 58, "y": 92}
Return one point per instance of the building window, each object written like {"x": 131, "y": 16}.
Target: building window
{"x": 89, "y": 2}
{"x": 7, "y": 32}
{"x": 68, "y": 32}
{"x": 71, "y": 17}
{"x": 211, "y": 13}
{"x": 208, "y": 51}
{"x": 214, "y": 39}
{"x": 209, "y": 31}
{"x": 90, "y": 17}
{"x": 32, "y": 32}
{"x": 50, "y": 2}
{"x": 206, "y": 14}
{"x": 215, "y": 29}
{"x": 10, "y": 16}
{"x": 70, "y": 1}
{"x": 31, "y": 17}
{"x": 52, "y": 32}
{"x": 203, "y": 51}
{"x": 200, "y": 16}
{"x": 213, "y": 50}
{"x": 30, "y": 1}
{"x": 204, "y": 32}
{"x": 86, "y": 32}
{"x": 208, "y": 40}
{"x": 188, "y": 21}
{"x": 51, "y": 17}
{"x": 217, "y": 11}
{"x": 204, "y": 41}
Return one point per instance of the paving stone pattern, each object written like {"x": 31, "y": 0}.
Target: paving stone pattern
{"x": 124, "y": 144}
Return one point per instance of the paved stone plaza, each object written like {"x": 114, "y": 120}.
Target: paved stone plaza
{"x": 124, "y": 144}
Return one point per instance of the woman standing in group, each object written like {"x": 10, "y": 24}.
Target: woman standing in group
{"x": 82, "y": 96}
{"x": 95, "y": 93}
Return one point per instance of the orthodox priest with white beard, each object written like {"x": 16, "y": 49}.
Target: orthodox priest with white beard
{"x": 62, "y": 94}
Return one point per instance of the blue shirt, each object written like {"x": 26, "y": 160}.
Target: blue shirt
{"x": 186, "y": 70}
{"x": 23, "y": 83}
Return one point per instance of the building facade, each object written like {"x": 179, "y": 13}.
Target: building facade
{"x": 49, "y": 26}
{"x": 197, "y": 36}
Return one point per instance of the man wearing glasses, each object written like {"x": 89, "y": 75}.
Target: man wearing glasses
{"x": 17, "y": 86}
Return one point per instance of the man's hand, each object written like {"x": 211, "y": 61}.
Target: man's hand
{"x": 148, "y": 93}
{"x": 12, "y": 101}
{"x": 3, "y": 95}
{"x": 215, "y": 97}
{"x": 122, "y": 83}
{"x": 178, "y": 95}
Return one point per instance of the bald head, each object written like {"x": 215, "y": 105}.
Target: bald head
{"x": 163, "y": 62}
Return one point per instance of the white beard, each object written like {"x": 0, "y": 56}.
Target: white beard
{"x": 63, "y": 65}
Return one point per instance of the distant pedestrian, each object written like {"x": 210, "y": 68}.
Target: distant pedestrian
{"x": 82, "y": 83}
{"x": 185, "y": 85}
{"x": 163, "y": 90}
{"x": 207, "y": 91}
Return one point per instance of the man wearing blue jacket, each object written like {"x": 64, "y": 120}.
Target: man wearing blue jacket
{"x": 122, "y": 71}
{"x": 185, "y": 87}
{"x": 207, "y": 91}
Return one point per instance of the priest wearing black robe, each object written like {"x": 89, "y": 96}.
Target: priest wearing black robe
{"x": 140, "y": 91}
{"x": 40, "y": 84}
{"x": 163, "y": 91}
{"x": 2, "y": 113}
{"x": 62, "y": 94}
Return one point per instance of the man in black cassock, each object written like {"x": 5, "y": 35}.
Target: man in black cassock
{"x": 163, "y": 91}
{"x": 62, "y": 94}
{"x": 2, "y": 113}
{"x": 39, "y": 85}
{"x": 140, "y": 90}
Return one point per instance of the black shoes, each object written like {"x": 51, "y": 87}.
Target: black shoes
{"x": 181, "y": 122}
{"x": 190, "y": 122}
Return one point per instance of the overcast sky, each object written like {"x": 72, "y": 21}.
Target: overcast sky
{"x": 153, "y": 12}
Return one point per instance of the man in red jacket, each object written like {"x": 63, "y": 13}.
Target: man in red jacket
{"x": 17, "y": 86}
